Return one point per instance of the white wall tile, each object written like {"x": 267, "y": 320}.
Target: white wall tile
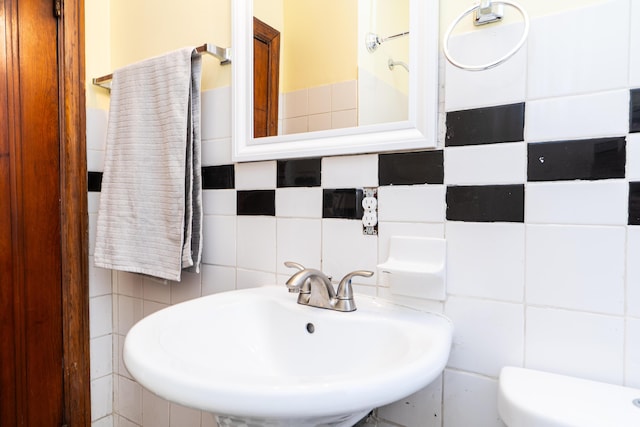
{"x": 296, "y": 104}
{"x": 577, "y": 202}
{"x": 320, "y": 99}
{"x": 584, "y": 345}
{"x": 216, "y": 113}
{"x": 411, "y": 203}
{"x": 129, "y": 398}
{"x": 299, "y": 202}
{"x": 634, "y": 50}
{"x": 99, "y": 280}
{"x": 217, "y": 279}
{"x": 257, "y": 243}
{"x": 486, "y": 260}
{"x": 219, "y": 202}
{"x": 567, "y": 56}
{"x": 344, "y": 95}
{"x": 129, "y": 284}
{"x": 123, "y": 422}
{"x": 256, "y": 175}
{"x": 93, "y": 202}
{"x": 156, "y": 290}
{"x": 216, "y": 152}
{"x": 155, "y": 410}
{"x": 95, "y": 160}
{"x": 350, "y": 171}
{"x": 486, "y": 164}
{"x": 295, "y": 125}
{"x": 470, "y": 400}
{"x": 488, "y": 335}
{"x": 254, "y": 279}
{"x": 585, "y": 116}
{"x": 632, "y": 356}
{"x": 633, "y": 154}
{"x": 101, "y": 356}
{"x": 633, "y": 271}
{"x": 423, "y": 408}
{"x": 319, "y": 122}
{"x": 298, "y": 240}
{"x": 408, "y": 229}
{"x": 189, "y": 288}
{"x": 576, "y": 267}
{"x": 130, "y": 311}
{"x": 96, "y": 129}
{"x": 344, "y": 119}
{"x": 505, "y": 84}
{"x": 150, "y": 307}
{"x": 184, "y": 417}
{"x": 101, "y": 397}
{"x": 219, "y": 234}
{"x": 345, "y": 249}
{"x": 103, "y": 422}
{"x": 100, "y": 316}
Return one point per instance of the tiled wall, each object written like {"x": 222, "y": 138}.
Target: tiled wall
{"x": 535, "y": 186}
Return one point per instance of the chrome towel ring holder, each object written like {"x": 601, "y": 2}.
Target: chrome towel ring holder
{"x": 480, "y": 9}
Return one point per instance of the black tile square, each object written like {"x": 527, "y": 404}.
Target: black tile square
{"x": 256, "y": 202}
{"x": 590, "y": 159}
{"x": 634, "y": 203}
{"x": 94, "y": 181}
{"x": 504, "y": 123}
{"x": 423, "y": 167}
{"x": 218, "y": 177}
{"x": 490, "y": 203}
{"x": 634, "y": 111}
{"x": 345, "y": 203}
{"x": 299, "y": 172}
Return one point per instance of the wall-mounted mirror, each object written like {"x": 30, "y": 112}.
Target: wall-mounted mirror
{"x": 363, "y": 79}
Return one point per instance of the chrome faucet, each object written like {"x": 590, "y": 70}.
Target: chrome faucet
{"x": 315, "y": 289}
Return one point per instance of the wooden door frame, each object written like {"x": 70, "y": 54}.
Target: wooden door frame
{"x": 74, "y": 214}
{"x": 270, "y": 37}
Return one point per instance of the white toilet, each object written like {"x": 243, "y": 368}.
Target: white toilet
{"x": 529, "y": 398}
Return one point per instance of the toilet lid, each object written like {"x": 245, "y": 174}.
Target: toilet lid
{"x": 529, "y": 398}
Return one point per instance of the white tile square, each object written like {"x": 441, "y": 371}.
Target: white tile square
{"x": 93, "y": 201}
{"x": 101, "y": 397}
{"x": 486, "y": 260}
{"x": 345, "y": 249}
{"x": 320, "y": 99}
{"x": 155, "y": 410}
{"x": 296, "y": 104}
{"x": 344, "y": 119}
{"x": 217, "y": 279}
{"x": 577, "y": 202}
{"x": 95, "y": 160}
{"x": 216, "y": 152}
{"x": 566, "y": 55}
{"x": 470, "y": 400}
{"x": 584, "y": 345}
{"x": 254, "y": 279}
{"x": 634, "y": 50}
{"x": 423, "y": 408}
{"x": 344, "y": 95}
{"x": 576, "y": 267}
{"x": 350, "y": 171}
{"x": 129, "y": 284}
{"x": 103, "y": 422}
{"x": 633, "y": 154}
{"x": 96, "y": 129}
{"x": 100, "y": 316}
{"x": 299, "y": 202}
{"x": 299, "y": 240}
{"x": 586, "y": 116}
{"x": 257, "y": 243}
{"x": 184, "y": 417}
{"x": 216, "y": 113}
{"x": 632, "y": 357}
{"x": 633, "y": 271}
{"x": 99, "y": 280}
{"x": 319, "y": 122}
{"x": 411, "y": 203}
{"x": 488, "y": 335}
{"x": 189, "y": 288}
{"x": 101, "y": 356}
{"x": 150, "y": 307}
{"x": 505, "y": 84}
{"x": 219, "y": 202}
{"x": 129, "y": 313}
{"x": 129, "y": 398}
{"x": 256, "y": 175}
{"x": 156, "y": 290}
{"x": 219, "y": 237}
{"x": 295, "y": 125}
{"x": 409, "y": 229}
{"x": 486, "y": 164}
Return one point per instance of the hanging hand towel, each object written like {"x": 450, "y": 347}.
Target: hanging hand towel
{"x": 149, "y": 219}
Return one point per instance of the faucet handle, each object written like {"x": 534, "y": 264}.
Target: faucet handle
{"x": 345, "y": 290}
{"x": 292, "y": 264}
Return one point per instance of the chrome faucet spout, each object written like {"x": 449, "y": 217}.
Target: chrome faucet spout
{"x": 303, "y": 280}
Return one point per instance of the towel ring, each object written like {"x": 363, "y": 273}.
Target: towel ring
{"x": 489, "y": 65}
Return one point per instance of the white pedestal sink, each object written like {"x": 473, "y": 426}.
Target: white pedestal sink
{"x": 255, "y": 357}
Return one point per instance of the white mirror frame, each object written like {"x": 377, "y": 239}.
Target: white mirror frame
{"x": 419, "y": 132}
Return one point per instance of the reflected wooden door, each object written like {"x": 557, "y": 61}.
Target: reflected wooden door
{"x": 31, "y": 328}
{"x": 266, "y": 79}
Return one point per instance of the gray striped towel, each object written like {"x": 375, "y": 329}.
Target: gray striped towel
{"x": 150, "y": 214}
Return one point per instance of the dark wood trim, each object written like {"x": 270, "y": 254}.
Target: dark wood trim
{"x": 271, "y": 38}
{"x": 74, "y": 215}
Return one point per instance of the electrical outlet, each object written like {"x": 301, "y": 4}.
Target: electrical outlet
{"x": 370, "y": 215}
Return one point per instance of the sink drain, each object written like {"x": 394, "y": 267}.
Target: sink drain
{"x": 310, "y": 328}
{"x": 636, "y": 402}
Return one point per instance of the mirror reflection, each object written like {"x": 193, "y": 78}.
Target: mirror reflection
{"x": 331, "y": 64}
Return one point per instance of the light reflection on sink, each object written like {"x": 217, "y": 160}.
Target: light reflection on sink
{"x": 249, "y": 354}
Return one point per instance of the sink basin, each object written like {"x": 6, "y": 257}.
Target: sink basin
{"x": 256, "y": 357}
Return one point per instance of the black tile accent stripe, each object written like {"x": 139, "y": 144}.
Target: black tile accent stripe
{"x": 634, "y": 203}
{"x": 94, "y": 181}
{"x": 491, "y": 203}
{"x": 218, "y": 177}
{"x": 299, "y": 172}
{"x": 423, "y": 167}
{"x": 591, "y": 159}
{"x": 634, "y": 111}
{"x": 504, "y": 123}
{"x": 343, "y": 203}
{"x": 256, "y": 202}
